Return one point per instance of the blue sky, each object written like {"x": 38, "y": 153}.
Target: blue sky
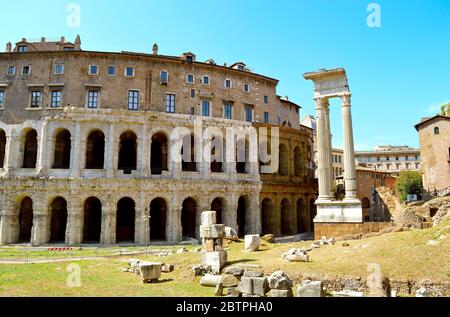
{"x": 398, "y": 72}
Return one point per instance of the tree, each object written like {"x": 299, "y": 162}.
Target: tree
{"x": 409, "y": 183}
{"x": 445, "y": 110}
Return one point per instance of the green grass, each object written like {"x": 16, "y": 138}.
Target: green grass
{"x": 403, "y": 255}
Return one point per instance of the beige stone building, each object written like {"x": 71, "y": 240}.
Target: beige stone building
{"x": 100, "y": 147}
{"x": 434, "y": 137}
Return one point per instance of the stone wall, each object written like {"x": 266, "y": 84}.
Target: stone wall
{"x": 348, "y": 229}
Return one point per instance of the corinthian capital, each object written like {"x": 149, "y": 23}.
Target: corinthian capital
{"x": 322, "y": 103}
{"x": 346, "y": 99}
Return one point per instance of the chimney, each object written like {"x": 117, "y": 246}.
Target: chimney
{"x": 155, "y": 49}
{"x": 63, "y": 40}
{"x": 42, "y": 39}
{"x": 8, "y": 47}
{"x": 77, "y": 43}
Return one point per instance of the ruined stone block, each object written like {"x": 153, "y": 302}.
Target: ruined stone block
{"x": 150, "y": 272}
{"x": 252, "y": 242}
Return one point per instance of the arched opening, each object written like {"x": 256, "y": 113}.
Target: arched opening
{"x": 159, "y": 152}
{"x": 95, "y": 150}
{"x": 241, "y": 216}
{"x": 312, "y": 214}
{"x": 301, "y": 216}
{"x": 128, "y": 152}
{"x": 188, "y": 218}
{"x": 284, "y": 161}
{"x": 92, "y": 220}
{"x": 297, "y": 162}
{"x": 217, "y": 205}
{"x": 158, "y": 214}
{"x": 286, "y": 217}
{"x": 242, "y": 155}
{"x": 188, "y": 163}
{"x": 267, "y": 217}
{"x": 217, "y": 155}
{"x": 126, "y": 215}
{"x": 30, "y": 149}
{"x": 2, "y": 148}
{"x": 58, "y": 221}
{"x": 62, "y": 150}
{"x": 25, "y": 220}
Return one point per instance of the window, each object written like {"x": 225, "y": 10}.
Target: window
{"x": 228, "y": 111}
{"x": 205, "y": 108}
{"x": 436, "y": 130}
{"x": 192, "y": 111}
{"x": 93, "y": 69}
{"x": 228, "y": 83}
{"x": 246, "y": 88}
{"x": 56, "y": 99}
{"x": 26, "y": 70}
{"x": 249, "y": 113}
{"x": 189, "y": 58}
{"x": 417, "y": 157}
{"x": 266, "y": 117}
{"x": 266, "y": 100}
{"x": 192, "y": 93}
{"x": 92, "y": 99}
{"x": 111, "y": 70}
{"x": 2, "y": 99}
{"x": 59, "y": 69}
{"x": 129, "y": 72}
{"x": 241, "y": 67}
{"x": 205, "y": 80}
{"x": 36, "y": 99}
{"x": 11, "y": 71}
{"x": 170, "y": 103}
{"x": 164, "y": 77}
{"x": 133, "y": 100}
{"x": 23, "y": 48}
{"x": 190, "y": 79}
{"x": 69, "y": 49}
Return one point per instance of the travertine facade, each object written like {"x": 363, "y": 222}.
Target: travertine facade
{"x": 90, "y": 147}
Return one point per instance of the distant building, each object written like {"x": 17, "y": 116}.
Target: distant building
{"x": 434, "y": 136}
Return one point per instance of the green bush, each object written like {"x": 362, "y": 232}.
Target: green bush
{"x": 409, "y": 183}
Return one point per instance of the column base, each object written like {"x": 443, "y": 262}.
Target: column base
{"x": 339, "y": 211}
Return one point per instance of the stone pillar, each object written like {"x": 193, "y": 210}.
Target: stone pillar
{"x": 204, "y": 204}
{"x": 108, "y": 231}
{"x": 42, "y": 156}
{"x": 142, "y": 223}
{"x": 253, "y": 214}
{"x": 329, "y": 147}
{"x": 75, "y": 223}
{"x": 349, "y": 150}
{"x": 324, "y": 163}
{"x": 110, "y": 161}
{"x": 76, "y": 156}
{"x": 10, "y": 161}
{"x": 174, "y": 230}
{"x": 40, "y": 233}
{"x": 145, "y": 146}
{"x": 230, "y": 211}
{"x": 9, "y": 222}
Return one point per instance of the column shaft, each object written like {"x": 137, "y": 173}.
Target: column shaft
{"x": 349, "y": 151}
{"x": 323, "y": 150}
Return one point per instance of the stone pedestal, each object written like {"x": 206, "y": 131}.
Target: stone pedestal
{"x": 212, "y": 236}
{"x": 216, "y": 260}
{"x": 339, "y": 212}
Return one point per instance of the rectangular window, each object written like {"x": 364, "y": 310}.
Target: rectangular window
{"x": 228, "y": 111}
{"x": 11, "y": 71}
{"x": 164, "y": 77}
{"x": 190, "y": 79}
{"x": 93, "y": 69}
{"x": 205, "y": 108}
{"x": 266, "y": 100}
{"x": 248, "y": 113}
{"x": 129, "y": 72}
{"x": 192, "y": 93}
{"x": 26, "y": 70}
{"x": 205, "y": 80}
{"x": 228, "y": 83}
{"x": 68, "y": 49}
{"x": 35, "y": 99}
{"x": 133, "y": 100}
{"x": 2, "y": 99}
{"x": 246, "y": 88}
{"x": 111, "y": 70}
{"x": 192, "y": 111}
{"x": 92, "y": 99}
{"x": 266, "y": 117}
{"x": 59, "y": 69}
{"x": 170, "y": 103}
{"x": 23, "y": 49}
{"x": 56, "y": 99}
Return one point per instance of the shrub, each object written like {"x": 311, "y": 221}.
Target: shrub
{"x": 409, "y": 183}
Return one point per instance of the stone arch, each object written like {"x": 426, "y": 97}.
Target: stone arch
{"x": 58, "y": 223}
{"x": 297, "y": 162}
{"x": 188, "y": 218}
{"x": 30, "y": 148}
{"x": 188, "y": 163}
{"x": 217, "y": 154}
{"x": 25, "y": 219}
{"x": 242, "y": 215}
{"x": 128, "y": 152}
{"x": 268, "y": 217}
{"x": 159, "y": 153}
{"x": 158, "y": 219}
{"x": 283, "y": 161}
{"x": 301, "y": 216}
{"x": 63, "y": 145}
{"x": 95, "y": 150}
{"x": 312, "y": 214}
{"x": 217, "y": 205}
{"x": 2, "y": 148}
{"x": 286, "y": 217}
{"x": 92, "y": 220}
{"x": 125, "y": 222}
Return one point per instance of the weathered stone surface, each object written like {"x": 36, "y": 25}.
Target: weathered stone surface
{"x": 233, "y": 292}
{"x": 297, "y": 257}
{"x": 212, "y": 231}
{"x": 150, "y": 271}
{"x": 219, "y": 290}
{"x": 229, "y": 281}
{"x": 311, "y": 289}
{"x": 252, "y": 242}
{"x": 167, "y": 268}
{"x": 253, "y": 273}
{"x": 210, "y": 280}
{"x": 231, "y": 234}
{"x": 347, "y": 293}
{"x": 281, "y": 293}
{"x": 270, "y": 238}
{"x": 208, "y": 218}
{"x": 253, "y": 286}
{"x": 216, "y": 260}
{"x": 279, "y": 281}
{"x": 422, "y": 292}
{"x": 234, "y": 270}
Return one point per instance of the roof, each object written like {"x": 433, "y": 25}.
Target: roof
{"x": 427, "y": 120}
{"x": 289, "y": 102}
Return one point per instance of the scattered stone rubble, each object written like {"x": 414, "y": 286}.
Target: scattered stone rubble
{"x": 296, "y": 255}
{"x": 149, "y": 271}
{"x": 280, "y": 285}
{"x": 252, "y": 242}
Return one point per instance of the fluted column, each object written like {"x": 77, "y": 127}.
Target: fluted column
{"x": 330, "y": 148}
{"x": 349, "y": 150}
{"x": 323, "y": 149}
